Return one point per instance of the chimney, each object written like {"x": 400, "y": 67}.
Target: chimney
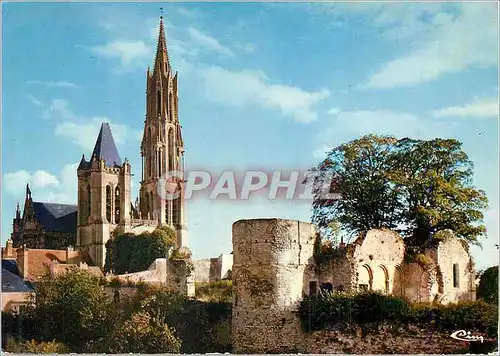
{"x": 9, "y": 249}
{"x": 342, "y": 244}
{"x": 22, "y": 261}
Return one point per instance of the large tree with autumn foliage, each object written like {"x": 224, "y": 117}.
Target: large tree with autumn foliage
{"x": 417, "y": 187}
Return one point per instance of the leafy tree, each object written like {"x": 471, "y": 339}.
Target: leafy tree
{"x": 435, "y": 181}
{"x": 414, "y": 186}
{"x": 488, "y": 286}
{"x": 133, "y": 253}
{"x": 72, "y": 309}
{"x": 143, "y": 334}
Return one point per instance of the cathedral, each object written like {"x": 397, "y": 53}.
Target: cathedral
{"x": 104, "y": 202}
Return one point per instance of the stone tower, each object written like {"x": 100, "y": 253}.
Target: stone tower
{"x": 162, "y": 147}
{"x": 103, "y": 197}
{"x": 270, "y": 258}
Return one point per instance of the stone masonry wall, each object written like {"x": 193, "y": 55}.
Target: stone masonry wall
{"x": 270, "y": 259}
{"x": 449, "y": 252}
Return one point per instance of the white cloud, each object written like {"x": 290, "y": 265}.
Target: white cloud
{"x": 58, "y": 109}
{"x": 208, "y": 42}
{"x": 130, "y": 53}
{"x": 348, "y": 125}
{"x": 83, "y": 130}
{"x": 54, "y": 84}
{"x": 85, "y": 133}
{"x": 244, "y": 87}
{"x": 34, "y": 100}
{"x": 16, "y": 181}
{"x": 452, "y": 45}
{"x": 44, "y": 186}
{"x": 486, "y": 108}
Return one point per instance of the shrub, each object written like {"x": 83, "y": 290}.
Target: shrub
{"x": 143, "y": 334}
{"x": 218, "y": 291}
{"x": 133, "y": 253}
{"x": 326, "y": 310}
{"x": 488, "y": 286}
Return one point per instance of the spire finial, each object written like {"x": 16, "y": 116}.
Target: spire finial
{"x": 161, "y": 13}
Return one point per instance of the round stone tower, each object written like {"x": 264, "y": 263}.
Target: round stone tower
{"x": 270, "y": 257}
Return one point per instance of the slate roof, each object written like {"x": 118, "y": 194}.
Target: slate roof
{"x": 105, "y": 147}
{"x": 56, "y": 217}
{"x": 12, "y": 281}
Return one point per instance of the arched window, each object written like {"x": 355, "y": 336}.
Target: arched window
{"x": 89, "y": 201}
{"x": 158, "y": 103}
{"x": 171, "y": 106}
{"x": 117, "y": 205}
{"x": 159, "y": 159}
{"x": 171, "y": 153}
{"x": 456, "y": 276}
{"x": 108, "y": 203}
{"x": 150, "y": 155}
{"x": 175, "y": 212}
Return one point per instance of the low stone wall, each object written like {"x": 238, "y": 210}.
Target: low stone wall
{"x": 413, "y": 340}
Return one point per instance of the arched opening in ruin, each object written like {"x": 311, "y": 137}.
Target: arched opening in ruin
{"x": 385, "y": 276}
{"x": 397, "y": 287}
{"x": 365, "y": 278}
{"x": 313, "y": 287}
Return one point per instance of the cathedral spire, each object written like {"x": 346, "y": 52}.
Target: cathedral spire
{"x": 162, "y": 60}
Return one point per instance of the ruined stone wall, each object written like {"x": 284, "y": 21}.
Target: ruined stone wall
{"x": 202, "y": 270}
{"x": 451, "y": 251}
{"x": 378, "y": 254}
{"x": 339, "y": 272}
{"x": 270, "y": 259}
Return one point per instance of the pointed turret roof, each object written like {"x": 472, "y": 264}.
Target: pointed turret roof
{"x": 161, "y": 47}
{"x": 105, "y": 147}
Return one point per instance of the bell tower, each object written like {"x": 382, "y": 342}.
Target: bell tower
{"x": 162, "y": 147}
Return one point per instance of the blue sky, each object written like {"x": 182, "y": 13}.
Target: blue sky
{"x": 261, "y": 86}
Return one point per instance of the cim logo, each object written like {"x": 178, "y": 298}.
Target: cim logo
{"x": 463, "y": 335}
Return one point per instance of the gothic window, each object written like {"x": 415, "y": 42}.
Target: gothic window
{"x": 171, "y": 149}
{"x": 117, "y": 205}
{"x": 89, "y": 201}
{"x": 175, "y": 212}
{"x": 456, "y": 276}
{"x": 108, "y": 203}
{"x": 158, "y": 102}
{"x": 313, "y": 286}
{"x": 149, "y": 156}
{"x": 159, "y": 163}
{"x": 171, "y": 105}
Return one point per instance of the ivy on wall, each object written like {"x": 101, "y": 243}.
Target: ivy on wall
{"x": 129, "y": 253}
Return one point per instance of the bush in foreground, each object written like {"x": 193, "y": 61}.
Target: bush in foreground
{"x": 325, "y": 310}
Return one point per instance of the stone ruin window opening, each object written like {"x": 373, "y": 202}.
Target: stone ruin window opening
{"x": 108, "y": 203}
{"x": 456, "y": 275}
{"x": 326, "y": 287}
{"x": 117, "y": 205}
{"x": 313, "y": 286}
